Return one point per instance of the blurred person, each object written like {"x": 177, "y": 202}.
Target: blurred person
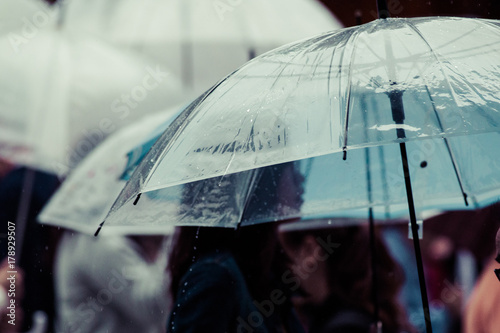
{"x": 481, "y": 314}
{"x": 113, "y": 284}
{"x": 401, "y": 248}
{"x": 5, "y": 167}
{"x": 227, "y": 280}
{"x": 333, "y": 269}
{"x": 11, "y": 290}
{"x": 38, "y": 246}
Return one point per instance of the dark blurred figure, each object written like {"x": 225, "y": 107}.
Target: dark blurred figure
{"x": 226, "y": 280}
{"x": 39, "y": 241}
{"x": 334, "y": 272}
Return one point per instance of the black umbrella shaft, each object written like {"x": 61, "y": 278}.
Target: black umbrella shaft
{"x": 416, "y": 242}
{"x": 398, "y": 115}
{"x": 376, "y": 310}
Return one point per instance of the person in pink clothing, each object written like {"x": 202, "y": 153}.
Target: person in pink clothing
{"x": 482, "y": 314}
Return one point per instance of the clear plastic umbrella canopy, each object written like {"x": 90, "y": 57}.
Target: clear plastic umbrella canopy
{"x": 201, "y": 41}
{"x": 316, "y": 100}
{"x": 64, "y": 93}
{"x": 86, "y": 196}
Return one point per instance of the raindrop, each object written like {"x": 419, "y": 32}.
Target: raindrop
{"x": 423, "y": 164}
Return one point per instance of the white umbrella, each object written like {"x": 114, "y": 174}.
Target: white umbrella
{"x": 201, "y": 41}
{"x": 86, "y": 196}
{"x": 62, "y": 94}
{"x": 22, "y": 19}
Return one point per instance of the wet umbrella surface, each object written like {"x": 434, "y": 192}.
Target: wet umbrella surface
{"x": 393, "y": 114}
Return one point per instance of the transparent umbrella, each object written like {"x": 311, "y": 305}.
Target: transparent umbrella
{"x": 413, "y": 100}
{"x": 335, "y": 93}
{"x": 200, "y": 41}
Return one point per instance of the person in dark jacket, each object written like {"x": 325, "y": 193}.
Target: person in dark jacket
{"x": 227, "y": 280}
{"x": 39, "y": 241}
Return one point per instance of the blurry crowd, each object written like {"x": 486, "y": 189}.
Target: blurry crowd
{"x": 293, "y": 276}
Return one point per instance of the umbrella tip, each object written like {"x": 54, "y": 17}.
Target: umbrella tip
{"x": 465, "y": 199}
{"x": 98, "y": 229}
{"x": 344, "y": 157}
{"x": 137, "y": 199}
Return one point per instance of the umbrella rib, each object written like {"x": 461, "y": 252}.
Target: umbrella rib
{"x": 383, "y": 169}
{"x": 491, "y": 26}
{"x": 375, "y": 295}
{"x": 256, "y": 174}
{"x": 328, "y": 89}
{"x": 290, "y": 61}
{"x": 455, "y": 165}
{"x": 448, "y": 148}
{"x": 349, "y": 81}
{"x": 444, "y": 73}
